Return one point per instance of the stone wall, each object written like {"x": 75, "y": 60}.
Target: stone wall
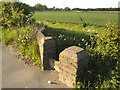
{"x": 72, "y": 62}
{"x": 47, "y": 49}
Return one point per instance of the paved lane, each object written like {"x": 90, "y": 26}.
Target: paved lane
{"x": 16, "y": 75}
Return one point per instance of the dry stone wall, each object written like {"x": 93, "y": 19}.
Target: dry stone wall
{"x": 47, "y": 49}
{"x": 72, "y": 62}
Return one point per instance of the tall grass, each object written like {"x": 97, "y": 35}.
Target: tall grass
{"x": 25, "y": 40}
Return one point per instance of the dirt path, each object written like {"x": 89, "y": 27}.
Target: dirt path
{"x": 16, "y": 75}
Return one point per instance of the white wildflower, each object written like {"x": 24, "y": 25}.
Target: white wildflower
{"x": 60, "y": 36}
{"x": 22, "y": 40}
{"x": 65, "y": 39}
{"x": 26, "y": 37}
{"x": 83, "y": 39}
{"x": 88, "y": 45}
{"x": 89, "y": 30}
{"x": 19, "y": 35}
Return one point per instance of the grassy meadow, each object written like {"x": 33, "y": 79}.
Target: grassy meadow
{"x": 96, "y": 18}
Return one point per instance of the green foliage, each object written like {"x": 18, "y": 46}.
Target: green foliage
{"x": 15, "y": 14}
{"x": 65, "y": 38}
{"x": 25, "y": 41}
{"x": 104, "y": 64}
{"x": 67, "y": 9}
{"x": 39, "y": 7}
{"x": 102, "y": 47}
{"x": 6, "y": 38}
{"x": 28, "y": 45}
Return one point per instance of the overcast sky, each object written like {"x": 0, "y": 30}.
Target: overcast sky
{"x": 75, "y": 3}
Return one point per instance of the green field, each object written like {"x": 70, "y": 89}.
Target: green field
{"x": 96, "y": 18}
{"x": 68, "y": 24}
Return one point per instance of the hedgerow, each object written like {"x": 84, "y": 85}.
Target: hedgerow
{"x": 15, "y": 14}
{"x": 104, "y": 64}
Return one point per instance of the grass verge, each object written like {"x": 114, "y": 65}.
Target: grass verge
{"x": 24, "y": 38}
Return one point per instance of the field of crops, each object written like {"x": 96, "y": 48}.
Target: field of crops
{"x": 96, "y": 18}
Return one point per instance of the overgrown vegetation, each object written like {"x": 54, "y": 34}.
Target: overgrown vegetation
{"x": 102, "y": 47}
{"x": 104, "y": 64}
{"x": 101, "y": 43}
{"x": 26, "y": 42}
{"x": 15, "y": 14}
{"x": 19, "y": 30}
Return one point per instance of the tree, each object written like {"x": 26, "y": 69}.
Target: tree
{"x": 76, "y": 9}
{"x": 15, "y": 14}
{"x": 67, "y": 9}
{"x": 54, "y": 8}
{"x": 40, "y": 7}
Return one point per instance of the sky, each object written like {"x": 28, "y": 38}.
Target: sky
{"x": 75, "y": 3}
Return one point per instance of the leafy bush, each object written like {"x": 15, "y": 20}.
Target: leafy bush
{"x": 104, "y": 64}
{"x": 15, "y": 14}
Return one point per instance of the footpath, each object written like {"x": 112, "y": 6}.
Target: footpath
{"x": 15, "y": 74}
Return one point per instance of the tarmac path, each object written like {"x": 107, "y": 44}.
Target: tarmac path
{"x": 16, "y": 75}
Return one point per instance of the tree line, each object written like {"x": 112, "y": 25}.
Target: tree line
{"x": 40, "y": 7}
